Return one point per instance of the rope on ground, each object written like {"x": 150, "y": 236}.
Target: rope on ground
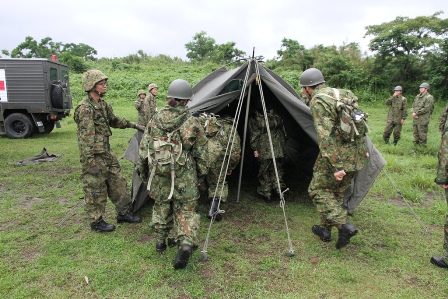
{"x": 425, "y": 228}
{"x": 70, "y": 213}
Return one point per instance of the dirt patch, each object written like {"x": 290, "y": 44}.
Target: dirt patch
{"x": 30, "y": 201}
{"x": 397, "y": 201}
{"x": 146, "y": 239}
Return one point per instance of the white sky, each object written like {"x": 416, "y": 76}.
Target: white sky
{"x": 119, "y": 28}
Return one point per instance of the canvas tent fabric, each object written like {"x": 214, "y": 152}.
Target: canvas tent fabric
{"x": 220, "y": 91}
{"x": 139, "y": 192}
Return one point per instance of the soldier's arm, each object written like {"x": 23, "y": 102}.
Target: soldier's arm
{"x": 427, "y": 107}
{"x": 199, "y": 149}
{"x": 138, "y": 104}
{"x": 142, "y": 166}
{"x": 389, "y": 101}
{"x": 86, "y": 133}
{"x": 404, "y": 111}
{"x": 324, "y": 123}
{"x": 254, "y": 134}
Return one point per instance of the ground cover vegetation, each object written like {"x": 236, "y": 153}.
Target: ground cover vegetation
{"x": 48, "y": 250}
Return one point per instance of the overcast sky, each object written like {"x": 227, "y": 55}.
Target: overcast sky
{"x": 119, "y": 28}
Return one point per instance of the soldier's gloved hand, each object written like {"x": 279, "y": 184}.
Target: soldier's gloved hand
{"x": 140, "y": 128}
{"x": 94, "y": 170}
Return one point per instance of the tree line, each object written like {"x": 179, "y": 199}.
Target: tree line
{"x": 403, "y": 52}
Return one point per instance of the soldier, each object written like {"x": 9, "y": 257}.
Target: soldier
{"x": 422, "y": 108}
{"x": 259, "y": 142}
{"x": 101, "y": 173}
{"x": 147, "y": 106}
{"x": 171, "y": 156}
{"x": 396, "y": 115}
{"x": 218, "y": 132}
{"x": 442, "y": 180}
{"x": 338, "y": 160}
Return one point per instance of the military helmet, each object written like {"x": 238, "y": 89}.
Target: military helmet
{"x": 141, "y": 91}
{"x": 311, "y": 77}
{"x": 91, "y": 78}
{"x": 399, "y": 88}
{"x": 424, "y": 85}
{"x": 151, "y": 86}
{"x": 180, "y": 89}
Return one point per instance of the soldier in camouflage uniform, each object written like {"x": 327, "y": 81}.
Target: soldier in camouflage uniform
{"x": 147, "y": 107}
{"x": 422, "y": 108}
{"x": 101, "y": 173}
{"x": 259, "y": 142}
{"x": 442, "y": 180}
{"x": 174, "y": 187}
{"x": 337, "y": 162}
{"x": 218, "y": 132}
{"x": 396, "y": 115}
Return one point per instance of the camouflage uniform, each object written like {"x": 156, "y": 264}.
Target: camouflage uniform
{"x": 218, "y": 134}
{"x": 146, "y": 109}
{"x": 259, "y": 141}
{"x": 442, "y": 170}
{"x": 423, "y": 106}
{"x": 397, "y": 112}
{"x": 181, "y": 208}
{"x": 94, "y": 121}
{"x": 335, "y": 155}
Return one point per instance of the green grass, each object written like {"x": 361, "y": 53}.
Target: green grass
{"x": 389, "y": 258}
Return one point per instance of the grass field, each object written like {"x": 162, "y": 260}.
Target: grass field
{"x": 43, "y": 256}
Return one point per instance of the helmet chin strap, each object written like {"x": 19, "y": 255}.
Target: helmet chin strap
{"x": 101, "y": 94}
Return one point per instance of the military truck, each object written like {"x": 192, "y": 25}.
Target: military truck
{"x": 34, "y": 96}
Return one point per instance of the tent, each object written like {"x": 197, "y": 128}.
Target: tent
{"x": 221, "y": 90}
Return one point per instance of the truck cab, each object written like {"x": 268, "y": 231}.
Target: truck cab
{"x": 34, "y": 96}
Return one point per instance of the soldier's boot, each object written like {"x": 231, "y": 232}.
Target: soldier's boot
{"x": 160, "y": 246}
{"x": 214, "y": 210}
{"x": 102, "y": 226}
{"x": 347, "y": 231}
{"x": 183, "y": 255}
{"x": 172, "y": 242}
{"x": 439, "y": 262}
{"x": 323, "y": 233}
{"x": 395, "y": 142}
{"x": 386, "y": 140}
{"x": 128, "y": 217}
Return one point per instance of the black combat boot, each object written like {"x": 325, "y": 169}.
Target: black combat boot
{"x": 439, "y": 262}
{"x": 347, "y": 231}
{"x": 102, "y": 226}
{"x": 128, "y": 217}
{"x": 160, "y": 246}
{"x": 182, "y": 257}
{"x": 172, "y": 242}
{"x": 268, "y": 199}
{"x": 323, "y": 233}
{"x": 395, "y": 142}
{"x": 214, "y": 210}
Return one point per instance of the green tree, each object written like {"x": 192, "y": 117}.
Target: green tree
{"x": 201, "y": 48}
{"x": 292, "y": 53}
{"x": 227, "y": 52}
{"x": 30, "y": 48}
{"x": 402, "y": 45}
{"x": 80, "y": 50}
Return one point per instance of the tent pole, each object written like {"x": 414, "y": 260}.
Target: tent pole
{"x": 244, "y": 142}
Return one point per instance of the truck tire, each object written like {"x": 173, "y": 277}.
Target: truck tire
{"x": 18, "y": 125}
{"x": 48, "y": 126}
{"x": 57, "y": 98}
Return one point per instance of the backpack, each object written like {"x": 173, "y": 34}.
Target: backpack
{"x": 164, "y": 155}
{"x": 353, "y": 121}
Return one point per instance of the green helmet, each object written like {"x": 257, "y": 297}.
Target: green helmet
{"x": 180, "y": 89}
{"x": 141, "y": 91}
{"x": 151, "y": 86}
{"x": 399, "y": 88}
{"x": 92, "y": 77}
{"x": 424, "y": 85}
{"x": 311, "y": 77}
